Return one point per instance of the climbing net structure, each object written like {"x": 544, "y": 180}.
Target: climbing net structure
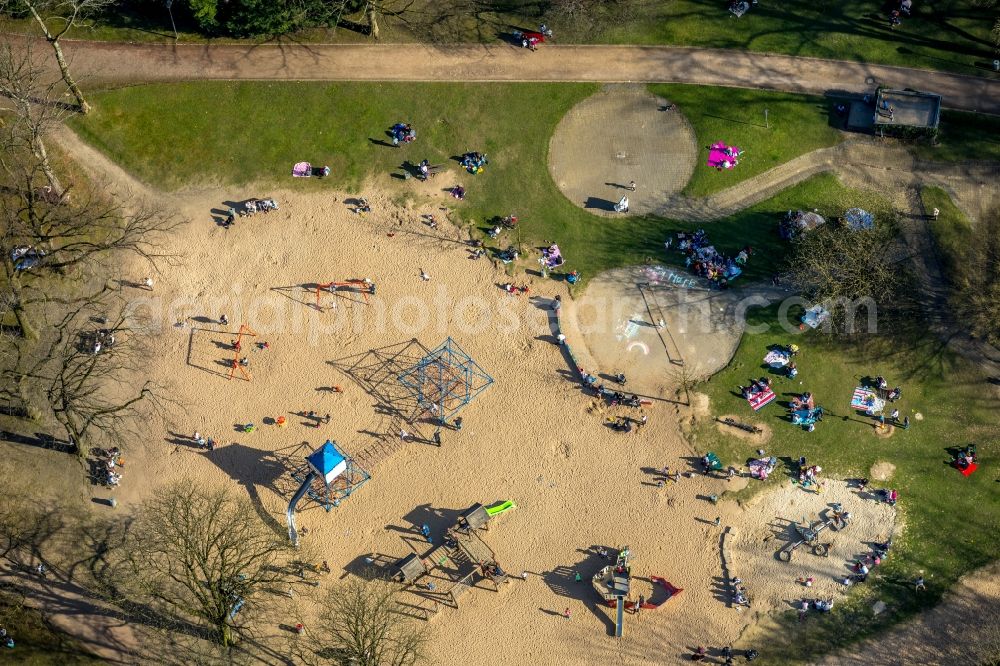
{"x": 445, "y": 380}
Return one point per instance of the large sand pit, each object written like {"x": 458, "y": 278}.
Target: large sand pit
{"x": 768, "y": 529}
{"x": 620, "y": 135}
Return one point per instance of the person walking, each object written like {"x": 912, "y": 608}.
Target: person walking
{"x": 894, "y": 416}
{"x": 566, "y": 614}
{"x": 906, "y": 423}
{"x": 919, "y": 584}
{"x": 631, "y": 186}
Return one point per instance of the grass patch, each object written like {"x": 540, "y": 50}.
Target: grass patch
{"x": 949, "y": 34}
{"x": 196, "y": 140}
{"x": 950, "y": 520}
{"x": 797, "y": 124}
{"x": 963, "y": 136}
{"x": 952, "y": 231}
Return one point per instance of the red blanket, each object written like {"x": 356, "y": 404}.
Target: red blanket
{"x": 761, "y": 398}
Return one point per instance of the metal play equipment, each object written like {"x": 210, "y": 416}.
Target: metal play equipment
{"x": 613, "y": 584}
{"x": 445, "y": 380}
{"x": 328, "y": 477}
{"x": 363, "y": 286}
{"x": 238, "y": 363}
{"x": 807, "y": 533}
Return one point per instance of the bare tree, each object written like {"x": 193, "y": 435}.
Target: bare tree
{"x": 36, "y": 112}
{"x": 56, "y": 18}
{"x": 79, "y": 374}
{"x": 850, "y": 269}
{"x": 43, "y": 237}
{"x": 363, "y": 625}
{"x": 204, "y": 558}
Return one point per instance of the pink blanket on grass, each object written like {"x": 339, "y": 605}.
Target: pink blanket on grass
{"x": 722, "y": 156}
{"x": 302, "y": 170}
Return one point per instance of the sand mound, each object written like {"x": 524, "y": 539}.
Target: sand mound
{"x": 637, "y": 141}
{"x": 881, "y": 471}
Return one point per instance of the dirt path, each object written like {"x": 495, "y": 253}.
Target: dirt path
{"x": 100, "y": 62}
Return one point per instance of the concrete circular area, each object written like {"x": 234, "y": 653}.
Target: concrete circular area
{"x": 622, "y": 134}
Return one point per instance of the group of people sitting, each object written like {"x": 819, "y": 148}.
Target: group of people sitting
{"x": 756, "y": 386}
{"x": 254, "y": 206}
{"x": 509, "y": 255}
{"x": 887, "y": 495}
{"x": 881, "y": 386}
{"x": 491, "y": 570}
{"x": 615, "y": 398}
{"x": 112, "y": 462}
{"x": 804, "y": 401}
{"x": 402, "y": 132}
{"x": 807, "y": 475}
{"x": 101, "y": 339}
{"x": 552, "y": 256}
{"x": 474, "y": 162}
{"x": 761, "y": 468}
{"x": 965, "y": 457}
{"x": 705, "y": 261}
{"x": 863, "y": 565}
{"x": 514, "y": 290}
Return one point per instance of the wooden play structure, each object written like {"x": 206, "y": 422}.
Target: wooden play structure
{"x": 462, "y": 559}
{"x": 614, "y": 585}
{"x": 240, "y": 363}
{"x": 363, "y": 286}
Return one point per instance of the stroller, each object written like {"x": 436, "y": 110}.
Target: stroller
{"x": 307, "y": 170}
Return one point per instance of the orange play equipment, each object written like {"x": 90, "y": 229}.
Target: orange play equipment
{"x": 237, "y": 348}
{"x": 363, "y": 286}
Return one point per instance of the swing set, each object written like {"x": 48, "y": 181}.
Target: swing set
{"x": 363, "y": 286}
{"x": 237, "y": 348}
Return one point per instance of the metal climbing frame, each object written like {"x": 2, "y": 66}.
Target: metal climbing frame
{"x": 329, "y": 496}
{"x": 445, "y": 380}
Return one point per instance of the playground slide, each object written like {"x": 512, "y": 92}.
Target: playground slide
{"x": 620, "y": 621}
{"x": 500, "y": 508}
{"x": 290, "y": 515}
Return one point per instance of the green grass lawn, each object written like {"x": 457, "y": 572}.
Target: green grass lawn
{"x": 963, "y": 136}
{"x": 942, "y": 34}
{"x": 950, "y": 520}
{"x": 243, "y": 134}
{"x": 796, "y": 124}
{"x": 952, "y": 231}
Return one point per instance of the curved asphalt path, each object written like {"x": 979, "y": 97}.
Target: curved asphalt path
{"x": 117, "y": 63}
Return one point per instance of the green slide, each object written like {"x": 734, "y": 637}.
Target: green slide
{"x": 497, "y": 509}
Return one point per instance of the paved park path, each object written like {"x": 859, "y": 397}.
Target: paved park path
{"x": 105, "y": 62}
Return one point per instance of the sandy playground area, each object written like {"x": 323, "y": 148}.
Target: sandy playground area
{"x": 532, "y": 437}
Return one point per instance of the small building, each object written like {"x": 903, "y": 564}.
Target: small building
{"x": 906, "y": 108}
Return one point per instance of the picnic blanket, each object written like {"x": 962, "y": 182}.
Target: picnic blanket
{"x": 970, "y": 468}
{"x": 776, "y": 359}
{"x": 866, "y": 400}
{"x": 722, "y": 156}
{"x": 761, "y": 398}
{"x": 302, "y": 170}
{"x": 815, "y": 316}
